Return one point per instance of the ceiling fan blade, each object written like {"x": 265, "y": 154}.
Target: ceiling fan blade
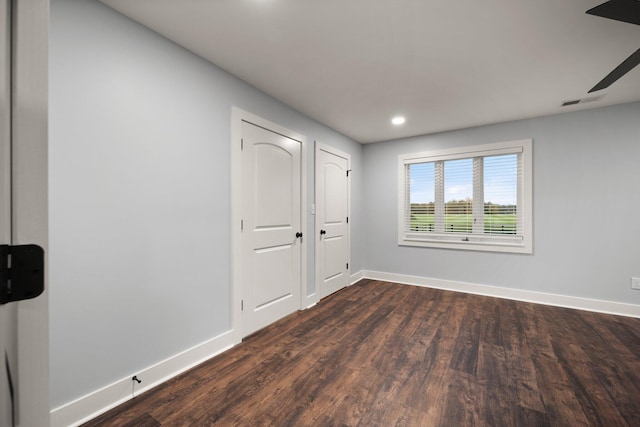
{"x": 619, "y": 71}
{"x": 620, "y": 10}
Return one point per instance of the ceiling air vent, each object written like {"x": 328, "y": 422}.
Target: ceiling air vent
{"x": 574, "y": 102}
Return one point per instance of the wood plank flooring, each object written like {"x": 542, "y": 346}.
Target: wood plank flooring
{"x": 382, "y": 354}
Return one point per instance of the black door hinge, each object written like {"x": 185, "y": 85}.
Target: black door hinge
{"x": 347, "y": 266}
{"x": 21, "y": 272}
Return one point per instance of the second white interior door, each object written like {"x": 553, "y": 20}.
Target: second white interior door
{"x": 332, "y": 222}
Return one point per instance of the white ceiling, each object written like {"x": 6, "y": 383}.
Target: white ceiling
{"x": 444, "y": 64}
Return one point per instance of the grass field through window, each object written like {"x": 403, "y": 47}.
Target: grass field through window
{"x": 463, "y": 223}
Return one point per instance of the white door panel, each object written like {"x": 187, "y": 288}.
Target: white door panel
{"x": 273, "y": 266}
{"x": 335, "y": 194}
{"x": 274, "y": 191}
{"x": 332, "y": 227}
{"x": 335, "y": 256}
{"x": 271, "y": 254}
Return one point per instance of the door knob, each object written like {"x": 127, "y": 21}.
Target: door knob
{"x": 298, "y": 235}
{"x": 322, "y": 232}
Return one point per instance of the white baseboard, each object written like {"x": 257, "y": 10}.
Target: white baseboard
{"x": 309, "y": 301}
{"x": 311, "y": 305}
{"x": 90, "y": 406}
{"x": 355, "y": 277}
{"x": 600, "y": 306}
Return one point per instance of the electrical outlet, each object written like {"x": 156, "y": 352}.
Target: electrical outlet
{"x": 635, "y": 283}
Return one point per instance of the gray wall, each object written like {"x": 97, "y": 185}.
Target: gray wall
{"x": 586, "y": 204}
{"x": 140, "y": 196}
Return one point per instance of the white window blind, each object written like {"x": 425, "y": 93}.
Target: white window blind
{"x": 501, "y": 177}
{"x": 420, "y": 187}
{"x": 471, "y": 198}
{"x": 458, "y": 196}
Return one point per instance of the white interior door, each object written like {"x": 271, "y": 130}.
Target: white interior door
{"x": 271, "y": 227}
{"x": 24, "y": 386}
{"x": 332, "y": 220}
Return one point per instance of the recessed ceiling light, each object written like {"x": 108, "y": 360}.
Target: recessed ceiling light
{"x": 398, "y": 120}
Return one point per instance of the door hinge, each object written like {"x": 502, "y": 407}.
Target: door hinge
{"x": 241, "y": 305}
{"x": 242, "y": 225}
{"x": 347, "y": 220}
{"x": 21, "y": 272}
{"x": 347, "y": 266}
{"x": 241, "y": 144}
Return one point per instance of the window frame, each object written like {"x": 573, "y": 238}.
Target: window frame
{"x": 469, "y": 241}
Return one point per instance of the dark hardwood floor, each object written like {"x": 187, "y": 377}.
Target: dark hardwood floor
{"x": 382, "y": 354}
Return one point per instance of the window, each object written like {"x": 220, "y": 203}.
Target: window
{"x": 476, "y": 198}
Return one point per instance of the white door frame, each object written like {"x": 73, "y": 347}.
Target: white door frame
{"x": 8, "y": 313}
{"x": 29, "y": 199}
{"x": 319, "y": 146}
{"x": 237, "y": 117}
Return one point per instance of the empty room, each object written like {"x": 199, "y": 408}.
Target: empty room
{"x": 326, "y": 213}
